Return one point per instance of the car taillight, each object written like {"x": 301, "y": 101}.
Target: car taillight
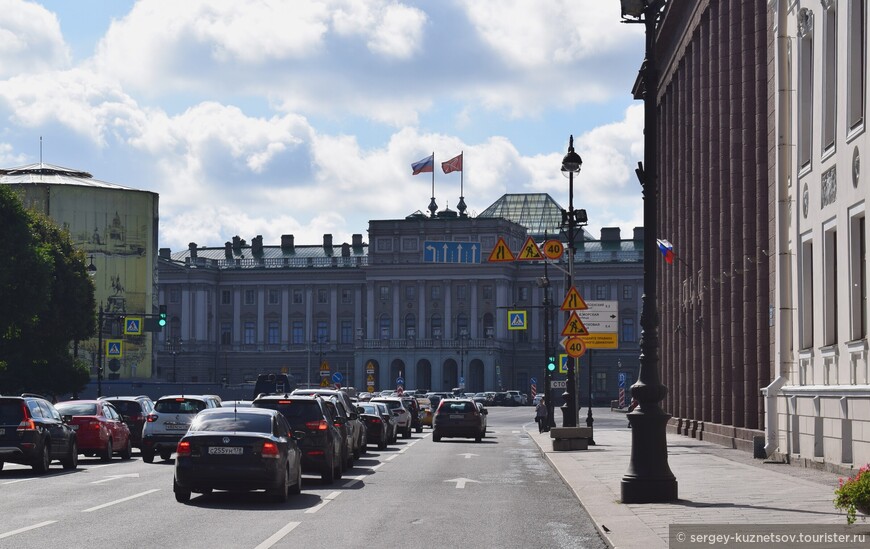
{"x": 270, "y": 449}
{"x": 375, "y": 420}
{"x": 183, "y": 448}
{"x": 316, "y": 452}
{"x": 27, "y": 425}
{"x": 151, "y": 418}
{"x": 92, "y": 425}
{"x": 321, "y": 425}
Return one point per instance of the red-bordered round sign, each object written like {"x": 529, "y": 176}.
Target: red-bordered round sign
{"x": 553, "y": 249}
{"x": 575, "y": 347}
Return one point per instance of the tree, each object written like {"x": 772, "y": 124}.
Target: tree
{"x": 51, "y": 301}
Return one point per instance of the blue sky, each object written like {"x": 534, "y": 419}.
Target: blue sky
{"x": 270, "y": 117}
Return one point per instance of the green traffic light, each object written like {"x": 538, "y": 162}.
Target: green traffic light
{"x": 161, "y": 319}
{"x": 551, "y": 364}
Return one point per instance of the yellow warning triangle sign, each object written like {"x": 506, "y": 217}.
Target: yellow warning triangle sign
{"x": 530, "y": 251}
{"x": 501, "y": 252}
{"x": 574, "y": 326}
{"x": 573, "y": 301}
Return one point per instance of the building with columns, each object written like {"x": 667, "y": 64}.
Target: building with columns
{"x": 420, "y": 300}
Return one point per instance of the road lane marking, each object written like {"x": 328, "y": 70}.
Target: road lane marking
{"x": 276, "y": 537}
{"x": 326, "y": 499}
{"x": 19, "y": 480}
{"x": 460, "y": 482}
{"x": 392, "y": 457}
{"x": 376, "y": 467}
{"x": 116, "y": 477}
{"x": 353, "y": 481}
{"x": 122, "y": 500}
{"x": 468, "y": 456}
{"x": 27, "y": 528}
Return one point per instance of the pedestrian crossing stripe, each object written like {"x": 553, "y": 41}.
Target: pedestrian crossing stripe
{"x": 574, "y": 326}
{"x": 530, "y": 251}
{"x": 516, "y": 320}
{"x": 573, "y": 301}
{"x": 501, "y": 252}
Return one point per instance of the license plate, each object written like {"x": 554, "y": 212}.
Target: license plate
{"x": 176, "y": 426}
{"x": 225, "y": 450}
{"x": 457, "y": 416}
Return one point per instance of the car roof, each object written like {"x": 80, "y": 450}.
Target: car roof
{"x": 188, "y": 397}
{"x": 246, "y": 410}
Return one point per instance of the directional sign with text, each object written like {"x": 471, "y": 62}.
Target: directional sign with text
{"x": 451, "y": 252}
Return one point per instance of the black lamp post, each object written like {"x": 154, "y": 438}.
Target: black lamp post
{"x": 100, "y": 352}
{"x": 571, "y": 218}
{"x": 649, "y": 478}
{"x": 549, "y": 346}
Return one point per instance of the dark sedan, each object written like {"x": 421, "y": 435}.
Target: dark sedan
{"x": 243, "y": 449}
{"x": 378, "y": 429}
{"x": 459, "y": 418}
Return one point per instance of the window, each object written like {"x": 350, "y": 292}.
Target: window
{"x": 250, "y": 333}
{"x": 249, "y": 297}
{"x": 346, "y": 295}
{"x": 274, "y": 297}
{"x": 226, "y": 297}
{"x": 628, "y": 332}
{"x": 322, "y": 331}
{"x": 487, "y": 292}
{"x": 829, "y": 74}
{"x": 462, "y": 323}
{"x": 347, "y": 331}
{"x": 461, "y": 292}
{"x": 410, "y": 292}
{"x": 322, "y": 296}
{"x": 805, "y": 87}
{"x": 409, "y": 244}
{"x": 856, "y": 68}
{"x": 435, "y": 326}
{"x": 410, "y": 326}
{"x": 522, "y": 293}
{"x": 297, "y": 297}
{"x": 384, "y": 292}
{"x": 297, "y": 330}
{"x": 385, "y": 326}
{"x": 858, "y": 268}
{"x": 226, "y": 333}
{"x": 174, "y": 295}
{"x": 830, "y": 285}
{"x": 488, "y": 325}
{"x": 601, "y": 381}
{"x": 385, "y": 244}
{"x": 274, "y": 337}
{"x": 602, "y": 291}
{"x": 435, "y": 292}
{"x": 627, "y": 291}
{"x": 806, "y": 302}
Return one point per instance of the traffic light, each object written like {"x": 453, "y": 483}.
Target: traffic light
{"x": 161, "y": 319}
{"x": 551, "y": 364}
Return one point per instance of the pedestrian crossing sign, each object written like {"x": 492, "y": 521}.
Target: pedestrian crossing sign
{"x": 133, "y": 325}
{"x": 114, "y": 348}
{"x": 516, "y": 320}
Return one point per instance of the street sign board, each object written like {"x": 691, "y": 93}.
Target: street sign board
{"x": 501, "y": 252}
{"x": 114, "y": 348}
{"x": 324, "y": 382}
{"x": 516, "y": 320}
{"x": 573, "y": 301}
{"x": 621, "y": 377}
{"x": 530, "y": 251}
{"x": 599, "y": 326}
{"x": 400, "y": 381}
{"x": 337, "y": 377}
{"x": 133, "y": 325}
{"x": 607, "y": 305}
{"x": 451, "y": 252}
{"x": 324, "y": 366}
{"x": 574, "y": 326}
{"x": 575, "y": 347}
{"x": 553, "y": 249}
{"x": 601, "y": 341}
{"x": 558, "y": 384}
{"x": 370, "y": 367}
{"x": 533, "y": 381}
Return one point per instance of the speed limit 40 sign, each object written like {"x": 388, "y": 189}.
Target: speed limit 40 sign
{"x": 575, "y": 347}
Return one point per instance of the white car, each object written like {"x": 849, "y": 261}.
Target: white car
{"x": 169, "y": 421}
{"x": 402, "y": 415}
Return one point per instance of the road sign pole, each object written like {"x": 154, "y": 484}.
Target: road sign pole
{"x": 100, "y": 352}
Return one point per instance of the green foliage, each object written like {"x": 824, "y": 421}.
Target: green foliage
{"x": 48, "y": 302}
{"x": 853, "y": 494}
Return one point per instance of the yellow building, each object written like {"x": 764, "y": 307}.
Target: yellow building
{"x": 116, "y": 227}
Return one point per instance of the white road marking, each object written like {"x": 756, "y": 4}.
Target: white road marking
{"x": 376, "y": 467}
{"x": 116, "y": 477}
{"x": 19, "y": 480}
{"x": 392, "y": 457}
{"x": 468, "y": 456}
{"x": 276, "y": 537}
{"x": 460, "y": 482}
{"x": 326, "y": 499}
{"x": 25, "y": 529}
{"x": 122, "y": 500}
{"x": 353, "y": 481}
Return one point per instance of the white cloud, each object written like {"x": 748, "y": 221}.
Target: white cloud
{"x": 30, "y": 39}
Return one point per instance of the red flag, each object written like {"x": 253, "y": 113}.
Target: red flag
{"x": 452, "y": 165}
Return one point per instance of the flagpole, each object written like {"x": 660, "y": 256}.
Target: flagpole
{"x": 433, "y": 176}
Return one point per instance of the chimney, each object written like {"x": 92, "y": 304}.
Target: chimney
{"x": 327, "y": 244}
{"x": 638, "y": 234}
{"x": 610, "y": 233}
{"x": 192, "y": 248}
{"x": 165, "y": 253}
{"x": 287, "y": 245}
{"x": 357, "y": 242}
{"x": 228, "y": 250}
{"x": 237, "y": 244}
{"x": 257, "y": 245}
{"x": 345, "y": 250}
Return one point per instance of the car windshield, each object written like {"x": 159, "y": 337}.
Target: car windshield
{"x": 296, "y": 411}
{"x": 76, "y": 409}
{"x": 392, "y": 404}
{"x": 10, "y": 412}
{"x": 457, "y": 407}
{"x": 252, "y": 423}
{"x": 179, "y": 406}
{"x": 126, "y": 407}
{"x": 370, "y": 409}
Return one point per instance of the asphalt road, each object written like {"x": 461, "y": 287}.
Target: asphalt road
{"x": 497, "y": 493}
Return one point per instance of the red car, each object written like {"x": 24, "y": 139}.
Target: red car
{"x": 99, "y": 428}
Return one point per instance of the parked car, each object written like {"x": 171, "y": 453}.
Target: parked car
{"x": 517, "y": 397}
{"x": 100, "y": 430}
{"x": 459, "y": 417}
{"x": 167, "y": 423}
{"x": 134, "y": 410}
{"x": 231, "y": 449}
{"x": 402, "y": 415}
{"x": 355, "y": 425}
{"x": 390, "y": 420}
{"x": 480, "y": 397}
{"x": 32, "y": 432}
{"x": 321, "y": 445}
{"x": 378, "y": 431}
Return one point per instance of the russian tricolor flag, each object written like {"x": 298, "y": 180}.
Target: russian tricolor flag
{"x": 667, "y": 250}
{"x": 425, "y": 165}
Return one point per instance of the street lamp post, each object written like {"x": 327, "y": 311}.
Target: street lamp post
{"x": 100, "y": 352}
{"x": 549, "y": 346}
{"x": 649, "y": 478}
{"x": 571, "y": 218}
{"x": 463, "y": 335}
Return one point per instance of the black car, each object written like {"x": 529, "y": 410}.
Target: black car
{"x": 459, "y": 417}
{"x": 378, "y": 429}
{"x": 354, "y": 424}
{"x": 32, "y": 432}
{"x": 249, "y": 449}
{"x": 321, "y": 445}
{"x": 134, "y": 411}
{"x": 414, "y": 407}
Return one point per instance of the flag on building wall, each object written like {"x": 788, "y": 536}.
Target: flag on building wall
{"x": 452, "y": 165}
{"x": 425, "y": 165}
{"x": 667, "y": 250}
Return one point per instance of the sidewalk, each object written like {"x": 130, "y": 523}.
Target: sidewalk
{"x": 715, "y": 485}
